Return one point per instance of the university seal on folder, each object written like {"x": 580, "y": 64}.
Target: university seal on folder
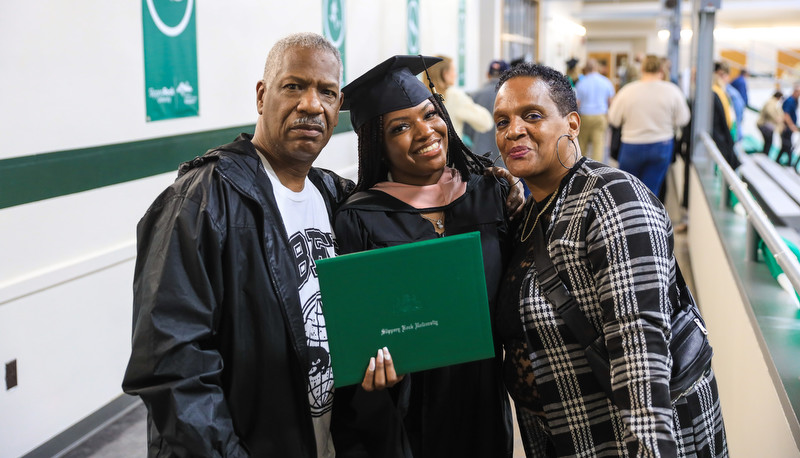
{"x": 426, "y": 301}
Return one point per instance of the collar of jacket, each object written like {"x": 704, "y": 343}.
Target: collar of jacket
{"x": 374, "y": 200}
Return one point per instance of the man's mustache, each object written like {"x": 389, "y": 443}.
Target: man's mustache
{"x": 310, "y": 120}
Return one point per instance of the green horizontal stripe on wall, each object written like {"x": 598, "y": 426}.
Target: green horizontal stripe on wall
{"x": 43, "y": 176}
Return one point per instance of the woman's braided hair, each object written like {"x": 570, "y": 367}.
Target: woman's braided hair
{"x": 373, "y": 167}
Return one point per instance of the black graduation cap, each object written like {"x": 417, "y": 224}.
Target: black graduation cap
{"x": 389, "y": 86}
{"x": 572, "y": 62}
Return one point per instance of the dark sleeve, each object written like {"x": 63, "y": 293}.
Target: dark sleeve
{"x": 507, "y": 230}
{"x": 351, "y": 233}
{"x": 721, "y": 134}
{"x": 366, "y": 423}
{"x": 175, "y": 365}
{"x": 338, "y": 187}
{"x": 345, "y": 187}
{"x": 629, "y": 244}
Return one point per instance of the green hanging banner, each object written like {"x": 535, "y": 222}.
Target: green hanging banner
{"x": 170, "y": 59}
{"x": 462, "y": 40}
{"x": 412, "y": 26}
{"x": 334, "y": 28}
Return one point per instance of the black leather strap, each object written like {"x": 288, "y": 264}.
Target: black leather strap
{"x": 558, "y": 294}
{"x": 566, "y": 306}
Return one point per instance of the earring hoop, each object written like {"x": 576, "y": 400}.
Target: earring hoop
{"x": 558, "y": 156}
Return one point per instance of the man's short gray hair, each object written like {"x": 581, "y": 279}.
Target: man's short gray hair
{"x": 298, "y": 40}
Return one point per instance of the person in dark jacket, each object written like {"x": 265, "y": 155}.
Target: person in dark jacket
{"x": 483, "y": 143}
{"x": 723, "y": 118}
{"x": 790, "y": 124}
{"x": 417, "y": 181}
{"x": 229, "y": 350}
{"x": 740, "y": 84}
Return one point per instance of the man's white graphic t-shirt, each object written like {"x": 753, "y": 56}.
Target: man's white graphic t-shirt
{"x": 305, "y": 218}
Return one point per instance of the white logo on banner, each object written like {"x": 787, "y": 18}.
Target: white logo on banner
{"x": 164, "y": 28}
{"x": 334, "y": 24}
{"x": 187, "y": 92}
{"x": 165, "y": 94}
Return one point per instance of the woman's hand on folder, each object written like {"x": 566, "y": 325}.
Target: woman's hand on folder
{"x": 380, "y": 372}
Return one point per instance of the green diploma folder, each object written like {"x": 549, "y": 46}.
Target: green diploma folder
{"x": 425, "y": 301}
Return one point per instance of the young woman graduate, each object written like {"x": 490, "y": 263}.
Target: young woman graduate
{"x": 417, "y": 181}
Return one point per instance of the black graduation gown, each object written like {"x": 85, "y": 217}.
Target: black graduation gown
{"x": 460, "y": 410}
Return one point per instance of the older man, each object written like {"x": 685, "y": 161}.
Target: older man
{"x": 230, "y": 353}
{"x": 594, "y": 92}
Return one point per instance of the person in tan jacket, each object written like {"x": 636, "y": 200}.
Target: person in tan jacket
{"x": 770, "y": 120}
{"x": 460, "y": 106}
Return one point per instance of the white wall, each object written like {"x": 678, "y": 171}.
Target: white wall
{"x": 558, "y": 40}
{"x": 439, "y": 23}
{"x": 73, "y": 77}
{"x": 474, "y": 66}
{"x": 376, "y": 31}
{"x": 489, "y": 25}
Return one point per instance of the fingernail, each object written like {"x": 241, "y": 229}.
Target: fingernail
{"x": 380, "y": 356}
{"x": 386, "y": 354}
{"x": 372, "y": 364}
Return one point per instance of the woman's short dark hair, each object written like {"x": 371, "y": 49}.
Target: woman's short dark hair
{"x": 560, "y": 90}
{"x": 373, "y": 166}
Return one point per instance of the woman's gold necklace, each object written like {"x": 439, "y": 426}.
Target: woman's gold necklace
{"x": 522, "y": 236}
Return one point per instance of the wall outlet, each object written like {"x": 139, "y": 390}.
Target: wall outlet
{"x": 11, "y": 374}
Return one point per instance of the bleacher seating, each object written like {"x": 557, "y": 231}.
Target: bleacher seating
{"x": 767, "y": 187}
{"x": 776, "y": 188}
{"x": 784, "y": 176}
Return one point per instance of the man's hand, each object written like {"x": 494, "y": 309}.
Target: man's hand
{"x": 380, "y": 372}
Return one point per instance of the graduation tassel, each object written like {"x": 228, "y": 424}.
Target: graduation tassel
{"x": 435, "y": 93}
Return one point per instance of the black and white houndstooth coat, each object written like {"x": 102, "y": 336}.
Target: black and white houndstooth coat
{"x": 611, "y": 241}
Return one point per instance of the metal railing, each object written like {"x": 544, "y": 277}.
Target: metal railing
{"x": 756, "y": 218}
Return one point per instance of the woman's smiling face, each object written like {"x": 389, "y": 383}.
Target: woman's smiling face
{"x": 529, "y": 125}
{"x": 416, "y": 144}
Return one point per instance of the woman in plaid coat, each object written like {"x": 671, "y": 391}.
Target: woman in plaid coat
{"x": 611, "y": 241}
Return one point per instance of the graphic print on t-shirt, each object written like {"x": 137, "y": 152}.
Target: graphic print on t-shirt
{"x": 307, "y": 249}
{"x": 320, "y": 375}
{"x": 309, "y": 246}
